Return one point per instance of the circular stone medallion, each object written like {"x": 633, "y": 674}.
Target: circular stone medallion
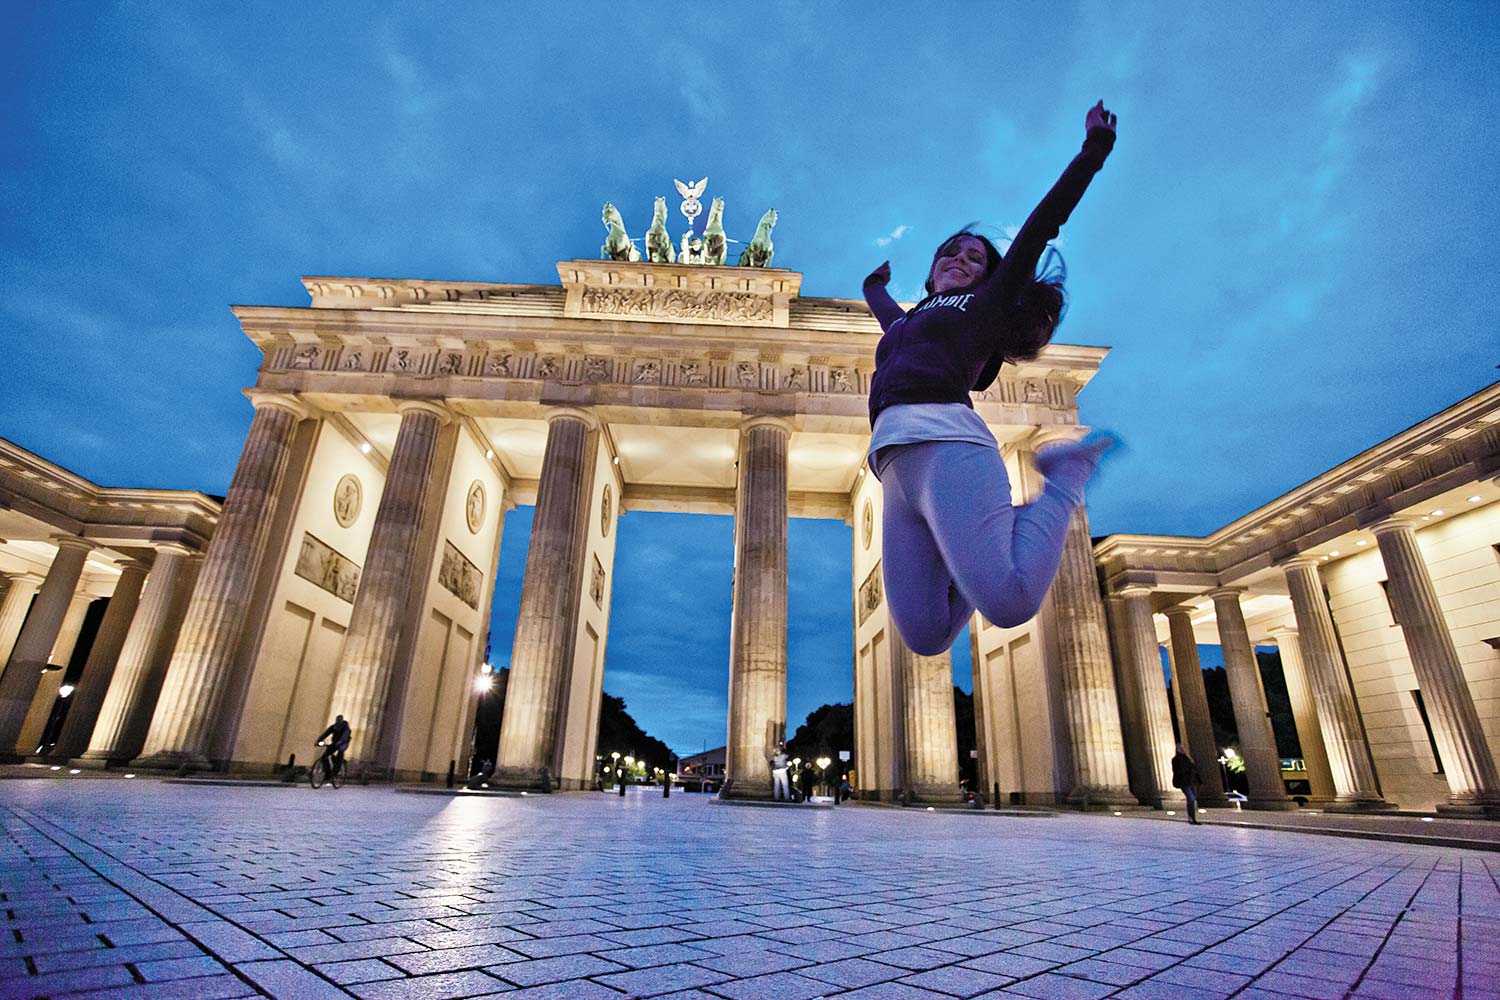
{"x": 474, "y": 506}
{"x": 867, "y": 523}
{"x": 347, "y": 499}
{"x": 605, "y": 510}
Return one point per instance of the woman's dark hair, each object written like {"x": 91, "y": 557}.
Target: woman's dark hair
{"x": 1040, "y": 304}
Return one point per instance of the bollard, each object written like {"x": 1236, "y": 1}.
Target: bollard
{"x": 997, "y": 795}
{"x": 666, "y": 789}
{"x": 452, "y": 768}
{"x": 621, "y": 786}
{"x": 291, "y": 763}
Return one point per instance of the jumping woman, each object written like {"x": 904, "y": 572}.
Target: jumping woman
{"x": 953, "y": 541}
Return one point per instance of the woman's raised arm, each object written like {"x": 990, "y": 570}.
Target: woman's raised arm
{"x": 879, "y": 300}
{"x": 1047, "y": 219}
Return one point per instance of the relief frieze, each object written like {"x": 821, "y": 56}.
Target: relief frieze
{"x": 870, "y": 594}
{"x": 459, "y": 576}
{"x": 319, "y": 564}
{"x": 677, "y": 303}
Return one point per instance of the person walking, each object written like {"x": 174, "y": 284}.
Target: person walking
{"x": 1185, "y": 777}
{"x": 781, "y": 790}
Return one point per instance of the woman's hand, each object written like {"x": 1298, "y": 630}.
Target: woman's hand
{"x": 1099, "y": 117}
{"x": 881, "y": 275}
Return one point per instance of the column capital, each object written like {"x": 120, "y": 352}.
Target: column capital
{"x": 175, "y": 549}
{"x": 781, "y": 423}
{"x": 34, "y": 579}
{"x": 443, "y": 414}
{"x": 573, "y": 413}
{"x": 1300, "y": 561}
{"x": 1053, "y": 433}
{"x": 1283, "y": 633}
{"x": 1182, "y": 610}
{"x": 260, "y": 398}
{"x": 1135, "y": 590}
{"x": 1225, "y": 593}
{"x": 141, "y": 566}
{"x": 1394, "y": 524}
{"x": 71, "y": 542}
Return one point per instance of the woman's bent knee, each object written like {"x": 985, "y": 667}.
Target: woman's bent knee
{"x": 924, "y": 639}
{"x": 1010, "y": 611}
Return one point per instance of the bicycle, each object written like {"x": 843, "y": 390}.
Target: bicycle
{"x": 330, "y": 768}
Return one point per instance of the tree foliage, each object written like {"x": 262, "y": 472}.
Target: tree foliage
{"x": 619, "y": 733}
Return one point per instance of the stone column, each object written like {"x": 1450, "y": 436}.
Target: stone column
{"x": 1156, "y": 719}
{"x": 13, "y": 612}
{"x": 1257, "y": 741}
{"x": 1192, "y": 699}
{"x": 44, "y": 700}
{"x": 34, "y": 645}
{"x": 1305, "y": 713}
{"x": 757, "y": 652}
{"x": 1349, "y": 763}
{"x": 1128, "y": 694}
{"x": 211, "y": 631}
{"x": 931, "y": 730}
{"x": 375, "y": 623}
{"x": 550, "y": 594}
{"x": 93, "y": 684}
{"x": 1088, "y": 682}
{"x": 120, "y": 727}
{"x": 1473, "y": 784}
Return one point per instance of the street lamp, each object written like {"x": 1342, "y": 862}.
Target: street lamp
{"x": 823, "y": 763}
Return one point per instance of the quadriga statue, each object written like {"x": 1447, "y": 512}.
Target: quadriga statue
{"x": 715, "y": 243}
{"x": 617, "y": 246}
{"x": 758, "y": 251}
{"x": 659, "y": 249}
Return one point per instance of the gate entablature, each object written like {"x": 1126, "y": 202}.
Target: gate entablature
{"x": 610, "y": 337}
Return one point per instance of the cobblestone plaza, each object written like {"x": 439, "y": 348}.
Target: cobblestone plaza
{"x": 115, "y": 888}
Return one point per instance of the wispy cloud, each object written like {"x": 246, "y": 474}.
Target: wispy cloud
{"x": 896, "y": 234}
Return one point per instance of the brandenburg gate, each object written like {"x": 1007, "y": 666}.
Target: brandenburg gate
{"x": 397, "y": 420}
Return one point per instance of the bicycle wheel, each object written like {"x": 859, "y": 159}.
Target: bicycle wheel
{"x": 318, "y": 773}
{"x": 336, "y": 774}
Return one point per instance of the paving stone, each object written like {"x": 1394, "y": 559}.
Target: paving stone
{"x": 662, "y": 979}
{"x": 1052, "y": 986}
{"x": 955, "y": 980}
{"x": 285, "y": 978}
{"x": 553, "y": 970}
{"x": 420, "y": 963}
{"x": 162, "y": 970}
{"x": 534, "y": 898}
{"x": 777, "y": 986}
{"x": 853, "y": 972}
{"x": 443, "y": 986}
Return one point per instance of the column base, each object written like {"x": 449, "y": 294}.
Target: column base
{"x": 756, "y": 790}
{"x": 92, "y": 763}
{"x": 174, "y": 760}
{"x": 1272, "y": 805}
{"x": 942, "y": 794}
{"x": 522, "y": 779}
{"x": 1358, "y": 806}
{"x": 1101, "y": 798}
{"x": 1470, "y": 810}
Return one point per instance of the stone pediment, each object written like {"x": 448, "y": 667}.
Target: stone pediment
{"x": 677, "y": 293}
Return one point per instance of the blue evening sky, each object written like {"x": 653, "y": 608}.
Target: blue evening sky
{"x": 1288, "y": 254}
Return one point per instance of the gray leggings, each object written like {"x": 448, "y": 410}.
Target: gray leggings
{"x": 953, "y": 541}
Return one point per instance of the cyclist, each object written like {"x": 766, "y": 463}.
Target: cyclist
{"x": 337, "y": 737}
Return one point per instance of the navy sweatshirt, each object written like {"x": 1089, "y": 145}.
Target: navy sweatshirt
{"x": 952, "y": 343}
